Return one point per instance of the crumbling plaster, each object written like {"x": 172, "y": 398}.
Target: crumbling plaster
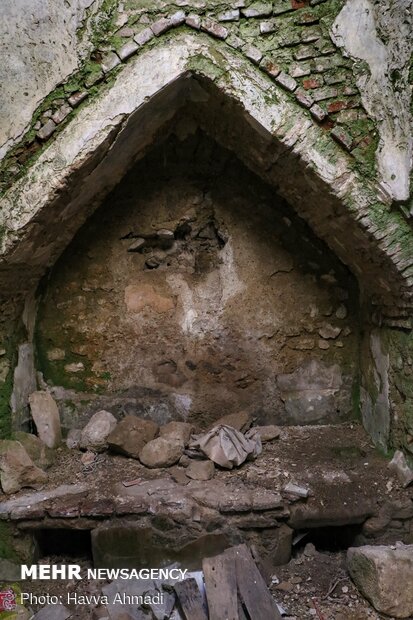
{"x": 381, "y": 34}
{"x": 279, "y": 127}
{"x": 40, "y": 45}
{"x": 102, "y": 126}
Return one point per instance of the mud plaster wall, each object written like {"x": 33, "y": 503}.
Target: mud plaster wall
{"x": 233, "y": 305}
{"x": 104, "y": 27}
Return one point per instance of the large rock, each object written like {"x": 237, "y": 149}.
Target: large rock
{"x": 241, "y": 421}
{"x": 177, "y": 431}
{"x": 95, "y": 434}
{"x": 46, "y": 417}
{"x": 384, "y": 575}
{"x": 310, "y": 393}
{"x": 17, "y": 469}
{"x": 131, "y": 434}
{"x": 399, "y": 466}
{"x": 161, "y": 452}
{"x": 41, "y": 455}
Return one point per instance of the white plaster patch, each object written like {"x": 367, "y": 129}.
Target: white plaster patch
{"x": 183, "y": 403}
{"x": 180, "y": 287}
{"x": 356, "y": 30}
{"x": 39, "y": 48}
{"x": 232, "y": 285}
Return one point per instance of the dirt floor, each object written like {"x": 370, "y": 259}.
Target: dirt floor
{"x": 312, "y": 585}
{"x": 331, "y": 460}
{"x": 347, "y": 479}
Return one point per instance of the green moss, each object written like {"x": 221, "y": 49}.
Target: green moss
{"x": 15, "y": 334}
{"x": 205, "y": 66}
{"x": 7, "y": 547}
{"x": 103, "y": 22}
{"x": 116, "y": 42}
{"x": 5, "y": 411}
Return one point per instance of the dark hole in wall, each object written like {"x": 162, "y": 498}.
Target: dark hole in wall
{"x": 64, "y": 543}
{"x": 338, "y": 538}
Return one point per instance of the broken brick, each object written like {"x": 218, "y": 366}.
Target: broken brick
{"x": 77, "y": 98}
{"x": 325, "y": 93}
{"x": 258, "y": 9}
{"x": 228, "y": 16}
{"x": 46, "y": 131}
{"x": 350, "y": 90}
{"x": 286, "y": 81}
{"x": 193, "y": 21}
{"x": 253, "y": 53}
{"x": 127, "y": 50}
{"x": 336, "y": 106}
{"x": 304, "y": 98}
{"x": 61, "y": 113}
{"x": 342, "y": 137}
{"x": 304, "y": 52}
{"x": 214, "y": 28}
{"x": 311, "y": 83}
{"x": 300, "y": 70}
{"x": 109, "y": 62}
{"x": 270, "y": 67}
{"x": 306, "y": 19}
{"x": 298, "y": 4}
{"x": 235, "y": 42}
{"x": 282, "y": 6}
{"x": 335, "y": 78}
{"x": 267, "y": 27}
{"x": 178, "y": 18}
{"x": 310, "y": 35}
{"x": 318, "y": 113}
{"x": 161, "y": 25}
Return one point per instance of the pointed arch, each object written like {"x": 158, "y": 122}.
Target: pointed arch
{"x": 243, "y": 110}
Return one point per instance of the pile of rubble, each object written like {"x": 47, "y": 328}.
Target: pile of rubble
{"x": 227, "y": 443}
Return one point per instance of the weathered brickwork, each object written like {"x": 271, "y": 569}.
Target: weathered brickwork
{"x": 288, "y": 40}
{"x": 262, "y": 79}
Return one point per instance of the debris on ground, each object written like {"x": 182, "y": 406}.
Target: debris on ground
{"x": 226, "y": 446}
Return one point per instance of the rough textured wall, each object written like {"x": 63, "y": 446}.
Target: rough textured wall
{"x": 196, "y": 292}
{"x": 381, "y": 35}
{"x": 333, "y": 55}
{"x": 41, "y": 44}
{"x": 309, "y": 52}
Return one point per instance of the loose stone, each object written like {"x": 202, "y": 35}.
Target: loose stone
{"x": 46, "y": 418}
{"x": 46, "y": 131}
{"x": 161, "y": 452}
{"x": 94, "y": 435}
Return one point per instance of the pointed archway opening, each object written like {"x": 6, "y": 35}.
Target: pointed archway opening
{"x": 195, "y": 289}
{"x": 274, "y": 139}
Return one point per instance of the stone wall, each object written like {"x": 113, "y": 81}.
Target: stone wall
{"x": 197, "y": 291}
{"x": 316, "y": 108}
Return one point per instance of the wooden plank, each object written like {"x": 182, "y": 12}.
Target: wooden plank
{"x": 190, "y": 599}
{"x": 221, "y": 586}
{"x": 252, "y": 589}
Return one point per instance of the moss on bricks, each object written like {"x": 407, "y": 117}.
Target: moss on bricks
{"x": 6, "y": 387}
